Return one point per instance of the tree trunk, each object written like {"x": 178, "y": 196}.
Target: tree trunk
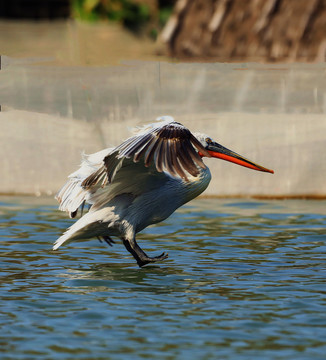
{"x": 251, "y": 30}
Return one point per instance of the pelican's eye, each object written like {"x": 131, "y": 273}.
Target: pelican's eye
{"x": 208, "y": 140}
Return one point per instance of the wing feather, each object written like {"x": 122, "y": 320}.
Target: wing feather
{"x": 186, "y": 162}
{"x": 168, "y": 158}
{"x": 175, "y": 148}
{"x": 129, "y": 147}
{"x": 194, "y": 156}
{"x": 159, "y": 156}
{"x": 171, "y": 146}
{"x": 151, "y": 151}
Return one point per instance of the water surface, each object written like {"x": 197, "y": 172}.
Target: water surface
{"x": 244, "y": 279}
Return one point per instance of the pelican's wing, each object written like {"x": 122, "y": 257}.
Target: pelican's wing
{"x": 73, "y": 194}
{"x": 132, "y": 179}
{"x": 170, "y": 146}
{"x": 144, "y": 160}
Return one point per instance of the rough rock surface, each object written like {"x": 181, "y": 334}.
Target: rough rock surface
{"x": 251, "y": 30}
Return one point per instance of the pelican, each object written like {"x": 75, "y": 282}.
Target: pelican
{"x": 140, "y": 182}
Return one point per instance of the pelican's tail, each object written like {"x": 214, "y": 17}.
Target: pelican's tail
{"x": 85, "y": 228}
{"x": 61, "y": 240}
{"x": 72, "y": 233}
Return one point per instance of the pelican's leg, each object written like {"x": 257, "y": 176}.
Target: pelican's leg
{"x": 141, "y": 257}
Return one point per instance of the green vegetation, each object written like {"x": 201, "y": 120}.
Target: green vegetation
{"x": 136, "y": 15}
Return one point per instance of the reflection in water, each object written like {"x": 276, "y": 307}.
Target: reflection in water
{"x": 244, "y": 279}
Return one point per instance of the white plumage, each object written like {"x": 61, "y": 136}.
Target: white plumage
{"x": 139, "y": 183}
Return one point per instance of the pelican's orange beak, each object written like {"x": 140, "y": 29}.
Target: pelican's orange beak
{"x": 220, "y": 152}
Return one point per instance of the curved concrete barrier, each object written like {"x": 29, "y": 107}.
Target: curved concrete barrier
{"x": 38, "y": 151}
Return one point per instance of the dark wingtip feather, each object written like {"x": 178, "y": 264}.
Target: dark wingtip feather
{"x": 94, "y": 178}
{"x": 73, "y": 214}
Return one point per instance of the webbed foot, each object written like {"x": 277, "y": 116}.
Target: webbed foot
{"x": 141, "y": 257}
{"x": 144, "y": 260}
{"x": 107, "y": 239}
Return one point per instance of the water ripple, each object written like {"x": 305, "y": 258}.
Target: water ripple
{"x": 245, "y": 280}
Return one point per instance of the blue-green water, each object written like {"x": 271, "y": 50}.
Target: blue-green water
{"x": 244, "y": 280}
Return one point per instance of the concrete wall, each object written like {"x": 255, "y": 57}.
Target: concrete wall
{"x": 273, "y": 115}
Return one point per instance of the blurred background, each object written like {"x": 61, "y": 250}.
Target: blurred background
{"x": 76, "y": 74}
{"x": 211, "y": 30}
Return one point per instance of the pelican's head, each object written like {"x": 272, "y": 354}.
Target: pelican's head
{"x": 213, "y": 149}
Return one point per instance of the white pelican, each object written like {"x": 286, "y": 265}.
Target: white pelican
{"x": 139, "y": 183}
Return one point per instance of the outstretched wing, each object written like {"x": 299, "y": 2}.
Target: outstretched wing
{"x": 142, "y": 161}
{"x": 171, "y": 147}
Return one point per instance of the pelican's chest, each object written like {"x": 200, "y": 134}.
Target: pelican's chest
{"x": 196, "y": 185}
{"x": 159, "y": 203}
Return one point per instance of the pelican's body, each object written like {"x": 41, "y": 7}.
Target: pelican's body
{"x": 139, "y": 183}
